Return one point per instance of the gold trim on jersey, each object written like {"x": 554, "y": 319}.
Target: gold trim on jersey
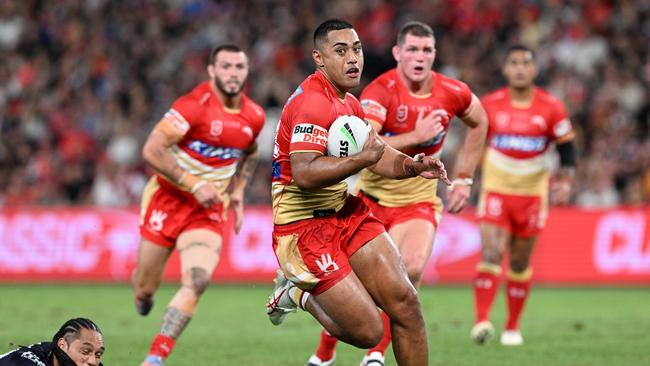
{"x": 292, "y": 264}
{"x": 149, "y": 190}
{"x": 394, "y": 192}
{"x": 200, "y": 169}
{"x": 524, "y": 177}
{"x": 398, "y": 192}
{"x": 418, "y": 96}
{"x": 231, "y": 110}
{"x": 291, "y": 203}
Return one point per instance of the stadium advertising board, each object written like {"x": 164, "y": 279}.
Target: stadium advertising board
{"x": 77, "y": 244}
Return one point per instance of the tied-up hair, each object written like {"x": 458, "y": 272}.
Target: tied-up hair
{"x": 70, "y": 331}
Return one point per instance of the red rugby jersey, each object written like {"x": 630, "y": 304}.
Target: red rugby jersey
{"x": 304, "y": 125}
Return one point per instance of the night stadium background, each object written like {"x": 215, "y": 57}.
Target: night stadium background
{"x": 83, "y": 82}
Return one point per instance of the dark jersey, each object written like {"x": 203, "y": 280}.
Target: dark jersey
{"x": 38, "y": 354}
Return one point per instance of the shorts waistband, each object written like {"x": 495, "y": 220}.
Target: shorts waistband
{"x": 372, "y": 198}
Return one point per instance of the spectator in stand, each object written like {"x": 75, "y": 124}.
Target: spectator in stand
{"x": 79, "y": 69}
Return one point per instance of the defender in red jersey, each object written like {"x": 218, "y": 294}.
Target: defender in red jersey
{"x": 337, "y": 261}
{"x": 204, "y": 153}
{"x": 411, "y": 107}
{"x": 523, "y": 121}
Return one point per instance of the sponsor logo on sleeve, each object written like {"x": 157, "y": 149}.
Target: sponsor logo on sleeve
{"x": 373, "y": 108}
{"x": 562, "y": 128}
{"x": 177, "y": 120}
{"x": 309, "y": 133}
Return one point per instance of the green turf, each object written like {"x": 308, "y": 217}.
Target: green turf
{"x": 562, "y": 327}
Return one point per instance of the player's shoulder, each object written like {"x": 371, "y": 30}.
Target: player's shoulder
{"x": 495, "y": 96}
{"x": 195, "y": 97}
{"x": 252, "y": 109}
{"x": 546, "y": 97}
{"x": 314, "y": 90}
{"x": 388, "y": 81}
{"x": 450, "y": 83}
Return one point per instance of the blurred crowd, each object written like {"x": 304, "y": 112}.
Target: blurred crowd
{"x": 83, "y": 81}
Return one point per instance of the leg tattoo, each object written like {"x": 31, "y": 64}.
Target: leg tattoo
{"x": 174, "y": 322}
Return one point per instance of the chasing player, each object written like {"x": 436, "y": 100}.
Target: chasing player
{"x": 204, "y": 153}
{"x": 524, "y": 120}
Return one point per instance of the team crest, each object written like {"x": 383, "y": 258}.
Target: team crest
{"x": 216, "y": 127}
{"x": 538, "y": 121}
{"x": 402, "y": 113}
{"x": 247, "y": 131}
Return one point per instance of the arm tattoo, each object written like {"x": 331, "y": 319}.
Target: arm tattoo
{"x": 174, "y": 322}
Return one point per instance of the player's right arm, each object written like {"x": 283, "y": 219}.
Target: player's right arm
{"x": 313, "y": 170}
{"x": 156, "y": 152}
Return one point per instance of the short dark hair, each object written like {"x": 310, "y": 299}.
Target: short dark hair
{"x": 224, "y": 47}
{"x": 518, "y": 47}
{"x": 414, "y": 28}
{"x": 328, "y": 26}
{"x": 71, "y": 329}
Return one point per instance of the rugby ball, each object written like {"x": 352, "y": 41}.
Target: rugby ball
{"x": 346, "y": 136}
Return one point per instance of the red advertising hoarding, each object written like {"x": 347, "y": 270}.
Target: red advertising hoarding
{"x": 90, "y": 244}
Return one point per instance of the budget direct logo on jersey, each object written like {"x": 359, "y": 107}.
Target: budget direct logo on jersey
{"x": 309, "y": 133}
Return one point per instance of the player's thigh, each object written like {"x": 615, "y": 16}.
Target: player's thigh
{"x": 414, "y": 240}
{"x": 151, "y": 260}
{"x": 494, "y": 241}
{"x": 198, "y": 249}
{"x": 379, "y": 267}
{"x": 349, "y": 304}
{"x": 521, "y": 249}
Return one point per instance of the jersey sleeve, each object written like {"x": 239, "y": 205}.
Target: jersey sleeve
{"x": 561, "y": 128}
{"x": 310, "y": 125}
{"x": 464, "y": 100}
{"x": 375, "y": 101}
{"x": 183, "y": 113}
{"x": 258, "y": 121}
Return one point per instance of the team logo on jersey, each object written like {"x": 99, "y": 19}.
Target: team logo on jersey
{"x": 538, "y": 120}
{"x": 402, "y": 113}
{"x": 310, "y": 133}
{"x": 216, "y": 127}
{"x": 247, "y": 131}
{"x": 326, "y": 264}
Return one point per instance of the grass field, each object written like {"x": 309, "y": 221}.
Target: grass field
{"x": 562, "y": 327}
